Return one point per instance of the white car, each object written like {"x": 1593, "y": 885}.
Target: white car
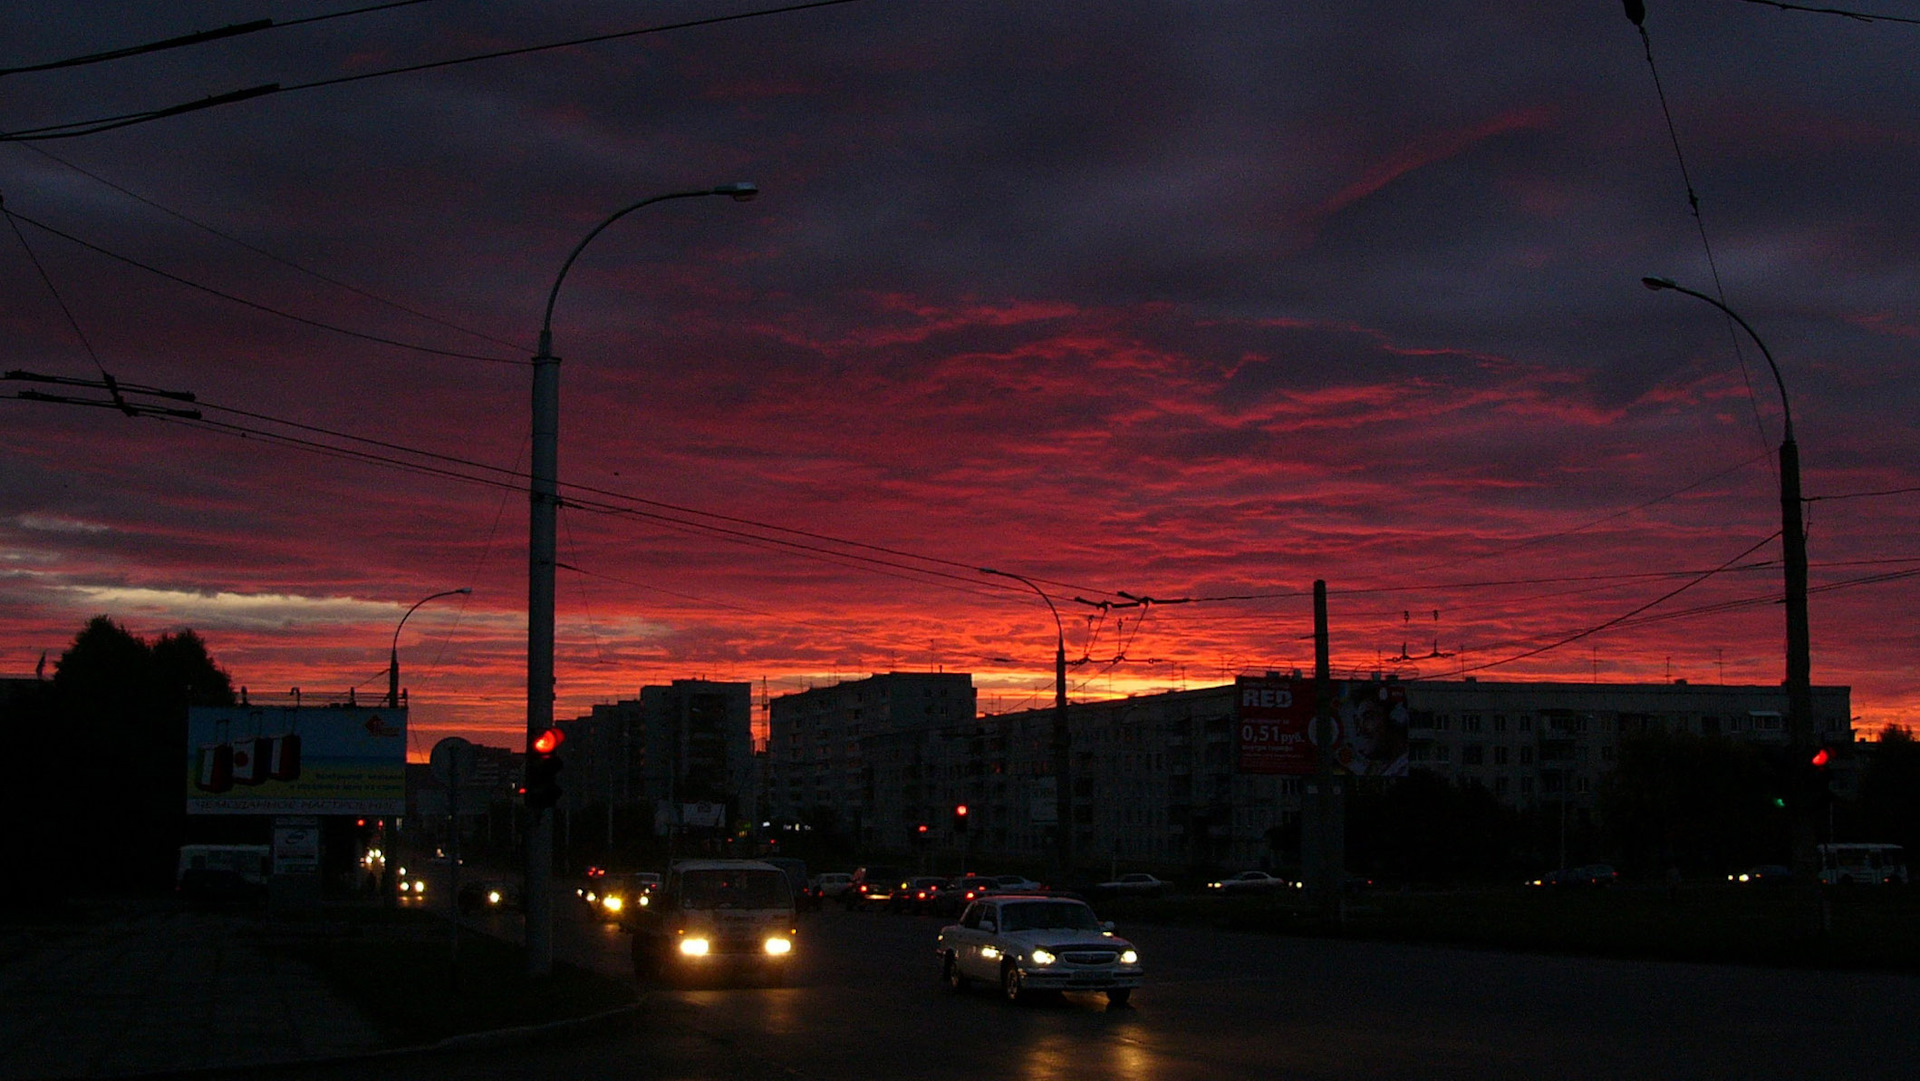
{"x": 1025, "y": 944}
{"x": 1249, "y": 882}
{"x": 1132, "y": 885}
{"x": 831, "y": 885}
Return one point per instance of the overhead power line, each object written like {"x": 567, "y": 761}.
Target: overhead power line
{"x": 255, "y": 305}
{"x": 78, "y": 128}
{"x": 1857, "y": 16}
{"x": 198, "y": 37}
{"x": 282, "y": 260}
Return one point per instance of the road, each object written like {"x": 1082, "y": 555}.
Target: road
{"x": 865, "y": 1002}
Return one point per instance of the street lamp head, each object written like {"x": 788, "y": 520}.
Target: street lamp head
{"x": 1657, "y": 284}
{"x": 742, "y": 192}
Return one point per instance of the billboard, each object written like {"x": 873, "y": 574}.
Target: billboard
{"x": 1276, "y": 727}
{"x": 1275, "y": 719}
{"x": 286, "y": 760}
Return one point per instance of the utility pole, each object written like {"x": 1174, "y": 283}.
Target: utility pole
{"x": 1326, "y": 836}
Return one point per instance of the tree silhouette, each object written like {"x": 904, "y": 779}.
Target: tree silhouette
{"x": 122, "y": 709}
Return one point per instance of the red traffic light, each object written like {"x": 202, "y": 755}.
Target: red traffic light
{"x": 960, "y": 810}
{"x": 1821, "y": 757}
{"x": 549, "y": 741}
{"x": 921, "y": 828}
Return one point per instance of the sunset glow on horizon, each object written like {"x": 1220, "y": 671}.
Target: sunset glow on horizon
{"x": 1195, "y": 304}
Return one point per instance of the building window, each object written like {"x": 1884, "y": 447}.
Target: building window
{"x": 1499, "y": 756}
{"x": 1499, "y": 786}
{"x": 1472, "y": 754}
{"x": 1499, "y": 722}
{"x": 1470, "y": 722}
{"x": 1526, "y": 722}
{"x": 1526, "y": 756}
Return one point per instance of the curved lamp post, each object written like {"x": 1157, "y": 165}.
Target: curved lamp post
{"x": 1062, "y": 734}
{"x": 1793, "y": 545}
{"x": 544, "y": 490}
{"x": 393, "y": 654}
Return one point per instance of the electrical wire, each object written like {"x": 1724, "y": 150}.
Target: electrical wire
{"x": 1700, "y": 222}
{"x": 199, "y": 37}
{"x": 76, "y": 129}
{"x": 264, "y": 253}
{"x": 255, "y": 305}
{"x": 1857, "y": 16}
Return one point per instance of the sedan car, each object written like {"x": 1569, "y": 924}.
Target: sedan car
{"x": 1025, "y": 944}
{"x": 1767, "y": 874}
{"x": 1133, "y": 885}
{"x": 1249, "y": 882}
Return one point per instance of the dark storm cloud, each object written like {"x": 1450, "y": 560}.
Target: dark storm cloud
{"x": 1166, "y": 297}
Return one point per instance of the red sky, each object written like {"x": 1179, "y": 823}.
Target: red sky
{"x": 1196, "y": 303}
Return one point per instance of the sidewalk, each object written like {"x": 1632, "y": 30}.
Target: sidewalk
{"x": 154, "y": 988}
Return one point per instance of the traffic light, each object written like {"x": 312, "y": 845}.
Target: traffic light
{"x": 1816, "y": 781}
{"x": 920, "y": 834}
{"x": 959, "y": 818}
{"x": 543, "y": 769}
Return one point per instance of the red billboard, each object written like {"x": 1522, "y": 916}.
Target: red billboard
{"x": 1275, "y": 715}
{"x": 1276, "y": 727}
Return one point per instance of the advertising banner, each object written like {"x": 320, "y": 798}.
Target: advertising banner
{"x": 290, "y": 760}
{"x": 1276, "y": 727}
{"x": 1275, "y": 716}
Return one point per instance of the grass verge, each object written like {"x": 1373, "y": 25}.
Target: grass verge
{"x": 398, "y": 967}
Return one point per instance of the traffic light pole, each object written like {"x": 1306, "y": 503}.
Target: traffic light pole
{"x": 538, "y": 893}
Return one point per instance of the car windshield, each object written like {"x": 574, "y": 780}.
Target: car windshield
{"x": 733, "y": 889}
{"x": 1047, "y": 916}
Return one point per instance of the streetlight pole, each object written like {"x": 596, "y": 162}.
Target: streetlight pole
{"x": 1062, "y": 735}
{"x": 544, "y": 489}
{"x": 393, "y": 654}
{"x": 1793, "y": 550}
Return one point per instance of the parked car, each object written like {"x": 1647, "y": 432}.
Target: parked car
{"x": 1024, "y": 944}
{"x": 1132, "y": 885}
{"x": 1017, "y": 884}
{"x": 1250, "y": 882}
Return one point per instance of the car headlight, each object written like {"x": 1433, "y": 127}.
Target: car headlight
{"x": 1041, "y": 957}
{"x": 592, "y": 897}
{"x": 643, "y": 900}
{"x": 493, "y": 897}
{"x": 419, "y": 887}
{"x": 695, "y": 947}
{"x": 1129, "y": 957}
{"x": 777, "y": 946}
{"x": 989, "y": 953}
{"x": 612, "y": 904}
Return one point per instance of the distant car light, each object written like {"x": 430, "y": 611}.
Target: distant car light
{"x": 611, "y": 903}
{"x": 1042, "y": 957}
{"x": 419, "y": 886}
{"x": 695, "y": 947}
{"x": 493, "y": 897}
{"x": 1129, "y": 957}
{"x": 643, "y": 900}
{"x": 777, "y": 946}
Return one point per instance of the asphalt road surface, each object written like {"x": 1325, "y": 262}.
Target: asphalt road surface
{"x": 865, "y": 1003}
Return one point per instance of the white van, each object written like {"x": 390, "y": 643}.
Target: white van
{"x": 710, "y": 916}
{"x": 1863, "y": 865}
